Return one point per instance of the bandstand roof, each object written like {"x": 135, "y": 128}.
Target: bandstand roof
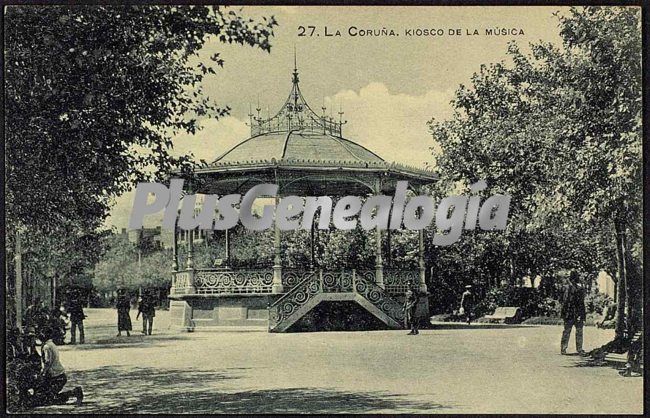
{"x": 304, "y": 152}
{"x": 298, "y": 144}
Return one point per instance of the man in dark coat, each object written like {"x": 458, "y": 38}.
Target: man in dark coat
{"x": 415, "y": 308}
{"x": 148, "y": 311}
{"x": 410, "y": 303}
{"x": 77, "y": 316}
{"x": 573, "y": 312}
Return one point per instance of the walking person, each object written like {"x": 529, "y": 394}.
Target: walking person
{"x": 410, "y": 307}
{"x": 123, "y": 306}
{"x": 52, "y": 377}
{"x": 148, "y": 311}
{"x": 77, "y": 316}
{"x": 466, "y": 304}
{"x": 573, "y": 312}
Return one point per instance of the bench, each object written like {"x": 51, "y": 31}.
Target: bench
{"x": 505, "y": 314}
{"x": 629, "y": 365}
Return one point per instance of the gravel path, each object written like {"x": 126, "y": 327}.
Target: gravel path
{"x": 439, "y": 371}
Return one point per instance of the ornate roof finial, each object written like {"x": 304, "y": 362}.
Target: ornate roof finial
{"x": 295, "y": 66}
{"x": 296, "y": 114}
{"x": 341, "y": 121}
{"x": 250, "y": 117}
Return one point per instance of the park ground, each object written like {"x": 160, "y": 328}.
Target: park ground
{"x": 463, "y": 370}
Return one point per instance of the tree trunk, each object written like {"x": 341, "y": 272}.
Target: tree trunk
{"x": 633, "y": 290}
{"x": 621, "y": 283}
{"x": 512, "y": 269}
{"x": 19, "y": 280}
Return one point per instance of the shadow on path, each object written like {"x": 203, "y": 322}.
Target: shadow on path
{"x": 105, "y": 337}
{"x": 593, "y": 362}
{"x": 473, "y": 325}
{"x": 150, "y": 390}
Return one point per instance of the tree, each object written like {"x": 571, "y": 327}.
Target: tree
{"x": 118, "y": 265}
{"x": 94, "y": 96}
{"x": 560, "y": 130}
{"x": 156, "y": 270}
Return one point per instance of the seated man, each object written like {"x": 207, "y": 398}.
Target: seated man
{"x": 609, "y": 318}
{"x": 36, "y": 315}
{"x": 57, "y": 324}
{"x": 23, "y": 370}
{"x": 32, "y": 361}
{"x": 634, "y": 358}
{"x": 52, "y": 378}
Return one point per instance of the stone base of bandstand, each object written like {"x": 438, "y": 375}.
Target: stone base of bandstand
{"x": 206, "y": 312}
{"x": 248, "y": 313}
{"x": 239, "y": 299}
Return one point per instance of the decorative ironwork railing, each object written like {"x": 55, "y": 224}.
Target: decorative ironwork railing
{"x": 209, "y": 282}
{"x": 379, "y": 297}
{"x": 396, "y": 282}
{"x": 261, "y": 280}
{"x": 370, "y": 275}
{"x": 315, "y": 283}
{"x": 291, "y": 277}
{"x": 337, "y": 281}
{"x": 288, "y": 304}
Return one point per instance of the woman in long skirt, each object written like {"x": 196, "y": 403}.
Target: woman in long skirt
{"x": 123, "y": 318}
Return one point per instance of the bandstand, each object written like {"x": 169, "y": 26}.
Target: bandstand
{"x": 305, "y": 155}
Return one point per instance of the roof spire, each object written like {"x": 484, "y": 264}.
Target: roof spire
{"x": 295, "y": 114}
{"x": 341, "y": 122}
{"x": 295, "y": 66}
{"x": 250, "y": 117}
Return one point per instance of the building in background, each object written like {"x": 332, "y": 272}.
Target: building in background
{"x": 606, "y": 284}
{"x": 149, "y": 240}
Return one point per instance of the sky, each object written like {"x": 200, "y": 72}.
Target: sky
{"x": 388, "y": 87}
